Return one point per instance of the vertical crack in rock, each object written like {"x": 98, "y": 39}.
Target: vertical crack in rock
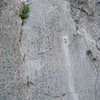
{"x": 11, "y": 84}
{"x": 55, "y": 55}
{"x": 93, "y": 60}
{"x": 98, "y": 43}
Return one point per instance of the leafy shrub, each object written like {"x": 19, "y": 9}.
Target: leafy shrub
{"x": 23, "y": 13}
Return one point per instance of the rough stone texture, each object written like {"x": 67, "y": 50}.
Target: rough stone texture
{"x": 60, "y": 50}
{"x": 10, "y": 56}
{"x": 60, "y": 44}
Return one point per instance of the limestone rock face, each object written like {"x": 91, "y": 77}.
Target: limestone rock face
{"x": 10, "y": 55}
{"x": 55, "y": 55}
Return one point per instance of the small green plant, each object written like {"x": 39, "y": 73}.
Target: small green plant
{"x": 23, "y": 13}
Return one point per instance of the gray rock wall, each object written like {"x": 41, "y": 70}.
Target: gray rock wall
{"x": 10, "y": 55}
{"x": 55, "y": 55}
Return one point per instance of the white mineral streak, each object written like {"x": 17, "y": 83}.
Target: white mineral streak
{"x": 69, "y": 68}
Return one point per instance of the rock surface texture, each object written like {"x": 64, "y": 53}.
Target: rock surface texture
{"x": 10, "y": 55}
{"x": 55, "y": 55}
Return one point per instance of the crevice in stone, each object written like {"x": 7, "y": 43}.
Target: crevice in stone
{"x": 20, "y": 35}
{"x": 82, "y": 9}
{"x": 29, "y": 83}
{"x": 98, "y": 44}
{"x": 93, "y": 60}
{"x": 54, "y": 96}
